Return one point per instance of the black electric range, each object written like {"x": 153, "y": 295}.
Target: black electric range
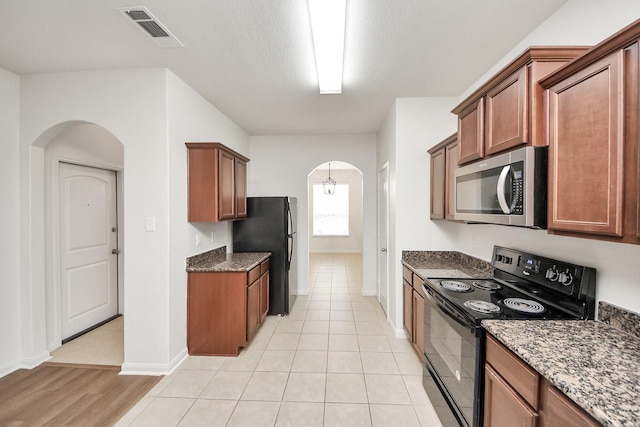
{"x": 524, "y": 286}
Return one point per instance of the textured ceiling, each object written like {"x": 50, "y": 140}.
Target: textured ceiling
{"x": 253, "y": 58}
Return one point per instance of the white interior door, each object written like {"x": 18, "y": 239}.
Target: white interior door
{"x": 383, "y": 236}
{"x": 88, "y": 235}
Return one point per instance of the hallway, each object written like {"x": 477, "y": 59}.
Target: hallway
{"x": 333, "y": 361}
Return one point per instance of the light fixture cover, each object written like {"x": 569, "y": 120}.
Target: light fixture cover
{"x": 328, "y": 20}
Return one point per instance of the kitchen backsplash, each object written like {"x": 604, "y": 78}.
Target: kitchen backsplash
{"x": 474, "y": 267}
{"x": 214, "y": 254}
{"x": 626, "y": 321}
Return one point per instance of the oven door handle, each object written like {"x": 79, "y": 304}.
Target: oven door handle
{"x": 446, "y": 310}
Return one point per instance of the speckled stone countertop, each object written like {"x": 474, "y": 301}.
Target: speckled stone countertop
{"x": 446, "y": 264}
{"x": 218, "y": 260}
{"x": 594, "y": 364}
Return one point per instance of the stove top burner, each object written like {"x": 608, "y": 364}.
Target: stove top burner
{"x": 482, "y": 306}
{"x": 524, "y": 305}
{"x": 486, "y": 285}
{"x": 455, "y": 286}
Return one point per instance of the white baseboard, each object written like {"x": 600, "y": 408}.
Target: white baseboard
{"x": 154, "y": 369}
{"x": 399, "y": 333}
{"x": 32, "y": 362}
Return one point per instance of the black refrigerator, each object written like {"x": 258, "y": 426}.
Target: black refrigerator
{"x": 270, "y": 226}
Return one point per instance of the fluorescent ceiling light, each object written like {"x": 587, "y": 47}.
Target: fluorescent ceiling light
{"x": 327, "y": 27}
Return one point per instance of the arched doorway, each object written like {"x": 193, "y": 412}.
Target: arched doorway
{"x": 335, "y": 222}
{"x": 94, "y": 150}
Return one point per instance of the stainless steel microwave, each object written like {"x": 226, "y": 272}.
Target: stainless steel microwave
{"x": 509, "y": 189}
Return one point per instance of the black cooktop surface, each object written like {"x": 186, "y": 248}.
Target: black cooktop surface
{"x": 497, "y": 300}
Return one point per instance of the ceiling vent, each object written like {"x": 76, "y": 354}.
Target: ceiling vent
{"x": 143, "y": 19}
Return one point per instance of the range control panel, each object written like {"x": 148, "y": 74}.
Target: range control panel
{"x": 564, "y": 277}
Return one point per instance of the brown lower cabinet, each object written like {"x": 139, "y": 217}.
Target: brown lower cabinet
{"x": 225, "y": 309}
{"x": 517, "y": 396}
{"x": 413, "y": 305}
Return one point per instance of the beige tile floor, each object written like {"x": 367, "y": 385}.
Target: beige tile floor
{"x": 334, "y": 361}
{"x": 102, "y": 346}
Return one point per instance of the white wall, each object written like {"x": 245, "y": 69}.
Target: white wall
{"x": 280, "y": 166}
{"x": 577, "y": 22}
{"x": 419, "y": 124}
{"x": 131, "y": 104}
{"x": 9, "y": 221}
{"x": 152, "y": 113}
{"x": 339, "y": 244}
{"x": 191, "y": 119}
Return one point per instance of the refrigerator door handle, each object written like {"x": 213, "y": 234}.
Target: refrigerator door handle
{"x": 290, "y": 254}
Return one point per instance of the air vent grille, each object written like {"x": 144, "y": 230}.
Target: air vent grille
{"x": 144, "y": 20}
{"x": 138, "y": 15}
{"x": 153, "y": 29}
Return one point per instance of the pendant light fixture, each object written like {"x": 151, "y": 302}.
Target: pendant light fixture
{"x": 329, "y": 185}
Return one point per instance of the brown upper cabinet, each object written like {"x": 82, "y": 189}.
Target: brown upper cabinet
{"x": 217, "y": 183}
{"x": 507, "y": 111}
{"x": 444, "y": 161}
{"x": 593, "y": 115}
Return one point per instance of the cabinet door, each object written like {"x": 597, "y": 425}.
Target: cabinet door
{"x": 407, "y": 297}
{"x": 451, "y": 158}
{"x": 506, "y": 113}
{"x": 438, "y": 184}
{"x": 418, "y": 323}
{"x": 586, "y": 147}
{"x": 253, "y": 309}
{"x": 503, "y": 407}
{"x": 216, "y": 313}
{"x": 226, "y": 183}
{"x": 202, "y": 182}
{"x": 471, "y": 133}
{"x": 558, "y": 411}
{"x": 241, "y": 188}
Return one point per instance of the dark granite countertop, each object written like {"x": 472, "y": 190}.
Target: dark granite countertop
{"x": 218, "y": 260}
{"x": 446, "y": 264}
{"x": 594, "y": 364}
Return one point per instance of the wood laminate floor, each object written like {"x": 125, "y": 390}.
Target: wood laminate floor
{"x": 55, "y": 395}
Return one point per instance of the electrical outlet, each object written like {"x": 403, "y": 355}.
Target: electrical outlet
{"x": 213, "y": 236}
{"x": 151, "y": 223}
{"x": 197, "y": 240}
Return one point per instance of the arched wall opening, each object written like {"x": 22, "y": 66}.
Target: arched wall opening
{"x": 85, "y": 144}
{"x": 344, "y": 174}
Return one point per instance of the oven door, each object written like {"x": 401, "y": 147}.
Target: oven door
{"x": 454, "y": 354}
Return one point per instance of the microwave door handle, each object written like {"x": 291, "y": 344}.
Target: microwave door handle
{"x": 502, "y": 191}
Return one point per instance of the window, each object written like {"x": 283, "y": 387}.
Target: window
{"x": 331, "y": 212}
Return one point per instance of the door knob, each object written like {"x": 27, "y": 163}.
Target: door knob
{"x": 384, "y": 249}
{"x": 115, "y": 251}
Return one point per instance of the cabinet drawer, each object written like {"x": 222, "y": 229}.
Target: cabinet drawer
{"x": 407, "y": 275}
{"x": 522, "y": 378}
{"x": 254, "y": 274}
{"x": 264, "y": 267}
{"x": 558, "y": 410}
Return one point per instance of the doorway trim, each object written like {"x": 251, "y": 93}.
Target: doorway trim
{"x": 52, "y": 218}
{"x": 383, "y": 204}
